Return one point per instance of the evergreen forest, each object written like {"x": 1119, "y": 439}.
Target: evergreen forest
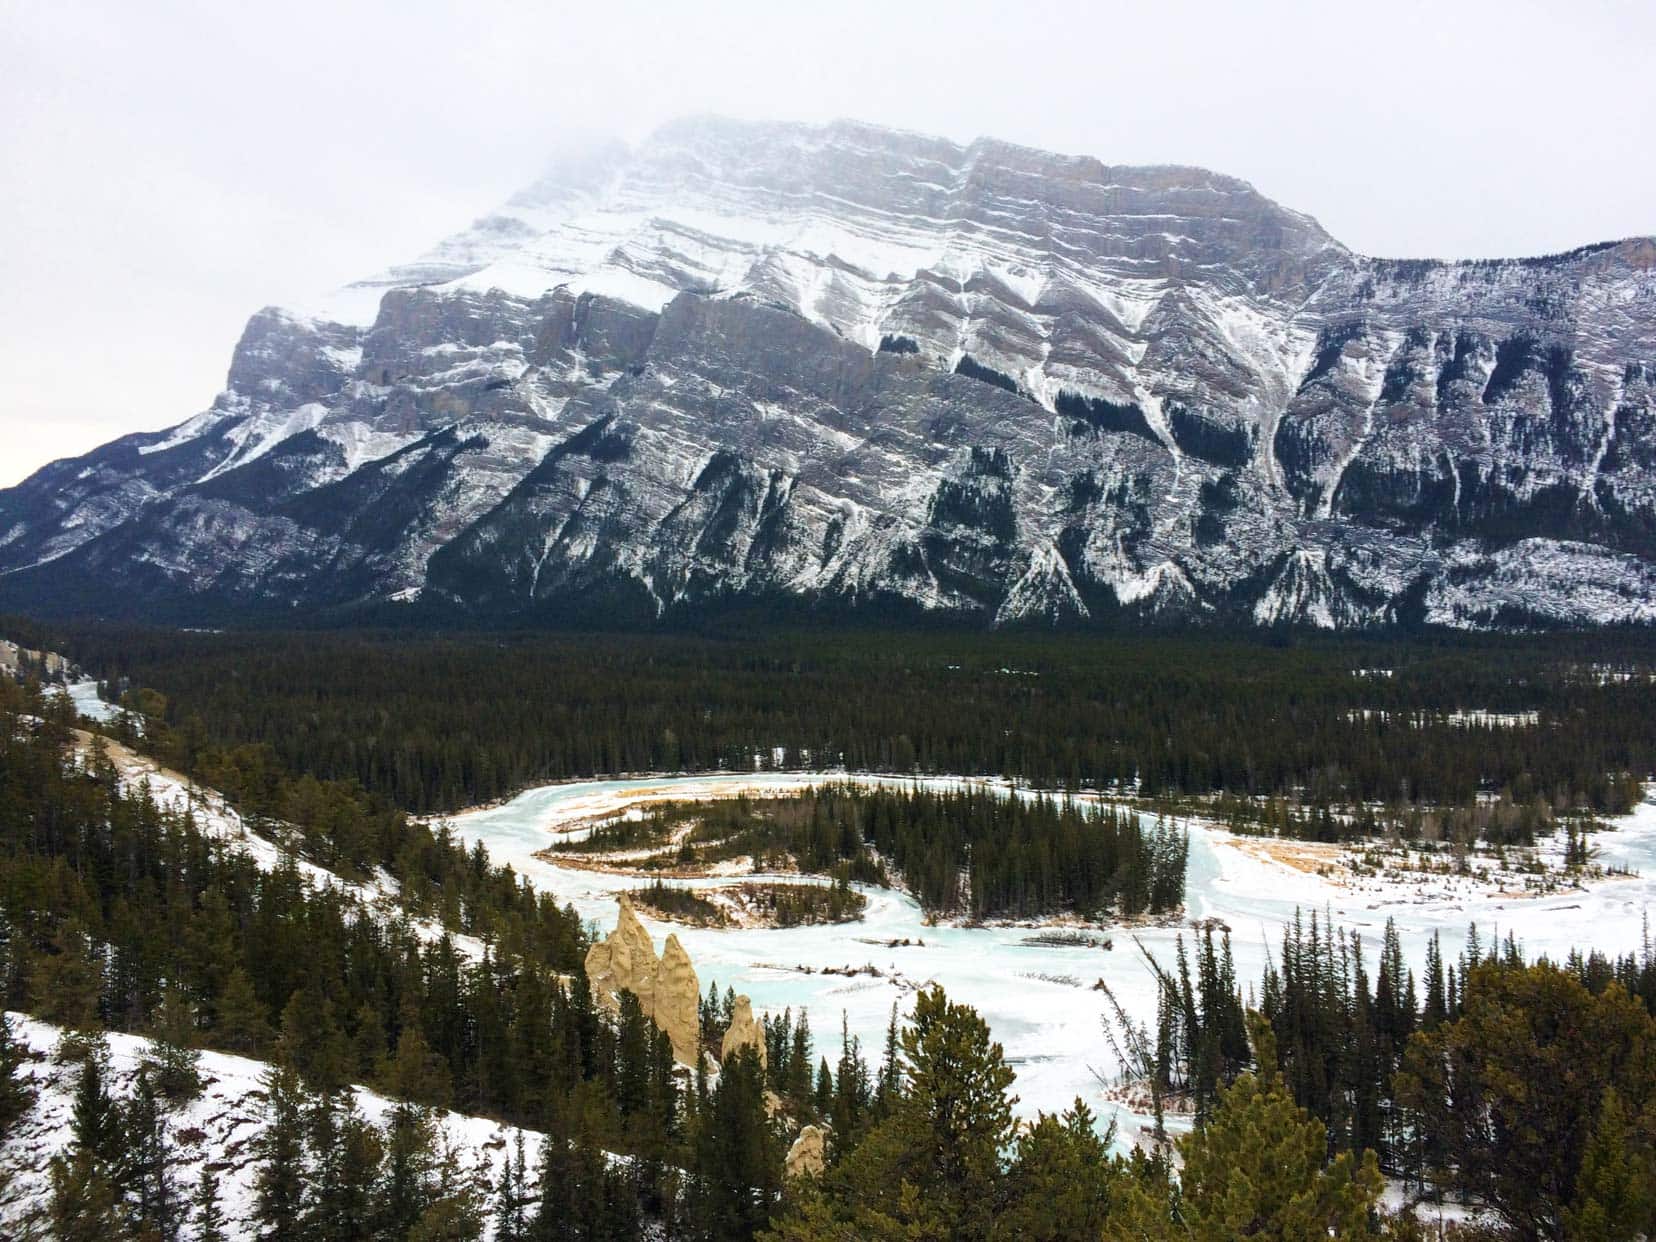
{"x": 1285, "y": 1103}
{"x": 435, "y": 722}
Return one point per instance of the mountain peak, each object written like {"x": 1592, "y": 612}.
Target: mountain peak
{"x": 844, "y": 365}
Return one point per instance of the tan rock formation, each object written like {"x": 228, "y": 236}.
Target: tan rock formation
{"x": 678, "y": 1001}
{"x": 667, "y": 989}
{"x": 745, "y": 1032}
{"x": 809, "y": 1154}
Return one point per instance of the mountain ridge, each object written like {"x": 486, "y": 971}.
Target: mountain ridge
{"x": 850, "y": 366}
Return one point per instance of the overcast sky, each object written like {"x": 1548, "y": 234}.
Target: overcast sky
{"x": 170, "y": 167}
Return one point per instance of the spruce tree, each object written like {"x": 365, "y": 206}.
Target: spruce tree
{"x": 173, "y": 1061}
{"x": 344, "y": 1167}
{"x": 822, "y": 1098}
{"x": 16, "y": 1095}
{"x": 890, "y": 1082}
{"x": 736, "y": 1173}
{"x": 146, "y": 1180}
{"x": 1615, "y": 1195}
{"x": 797, "y": 1086}
{"x": 405, "y": 1185}
{"x": 96, "y": 1117}
{"x": 279, "y": 1185}
{"x": 83, "y": 1206}
{"x": 205, "y": 1207}
{"x": 512, "y": 1197}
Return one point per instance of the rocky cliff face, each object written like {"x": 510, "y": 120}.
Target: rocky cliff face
{"x": 848, "y": 367}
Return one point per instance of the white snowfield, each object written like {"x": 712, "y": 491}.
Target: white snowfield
{"x": 217, "y": 1128}
{"x": 1039, "y": 999}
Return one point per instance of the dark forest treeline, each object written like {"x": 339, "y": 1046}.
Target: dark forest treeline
{"x": 110, "y": 904}
{"x": 967, "y": 851}
{"x": 339, "y": 826}
{"x": 1529, "y": 1087}
{"x": 438, "y": 722}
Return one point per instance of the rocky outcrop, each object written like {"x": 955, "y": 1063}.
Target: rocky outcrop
{"x": 677, "y": 1001}
{"x": 16, "y": 660}
{"x": 666, "y": 987}
{"x": 997, "y": 383}
{"x": 745, "y": 1031}
{"x": 808, "y": 1155}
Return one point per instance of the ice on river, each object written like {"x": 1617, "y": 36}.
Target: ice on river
{"x": 1039, "y": 1000}
{"x": 84, "y": 695}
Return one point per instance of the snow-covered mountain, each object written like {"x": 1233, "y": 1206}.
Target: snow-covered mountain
{"x": 847, "y": 367}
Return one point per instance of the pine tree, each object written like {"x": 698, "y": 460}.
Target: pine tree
{"x": 280, "y": 1183}
{"x": 83, "y": 1206}
{"x": 1257, "y": 1168}
{"x": 173, "y": 1061}
{"x": 16, "y": 1096}
{"x": 146, "y": 1180}
{"x": 66, "y": 984}
{"x": 1615, "y": 1194}
{"x": 1509, "y": 1089}
{"x": 455, "y": 1206}
{"x": 209, "y": 1215}
{"x": 934, "y": 1167}
{"x": 1062, "y": 1180}
{"x": 415, "y": 1072}
{"x": 312, "y": 1041}
{"x": 242, "y": 1023}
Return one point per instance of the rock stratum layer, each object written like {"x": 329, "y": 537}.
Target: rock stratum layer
{"x": 844, "y": 367}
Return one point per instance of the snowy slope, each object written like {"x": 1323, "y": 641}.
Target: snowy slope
{"x": 723, "y": 364}
{"x": 217, "y": 1128}
{"x": 213, "y": 815}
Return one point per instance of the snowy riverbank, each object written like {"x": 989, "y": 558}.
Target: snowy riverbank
{"x": 1037, "y": 996}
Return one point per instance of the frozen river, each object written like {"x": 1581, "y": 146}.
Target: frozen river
{"x": 1039, "y": 1000}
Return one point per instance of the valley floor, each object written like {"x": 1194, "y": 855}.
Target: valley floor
{"x": 1039, "y": 997}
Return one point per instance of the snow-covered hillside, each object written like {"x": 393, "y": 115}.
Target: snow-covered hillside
{"x": 851, "y": 366}
{"x": 213, "y": 815}
{"x": 217, "y": 1129}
